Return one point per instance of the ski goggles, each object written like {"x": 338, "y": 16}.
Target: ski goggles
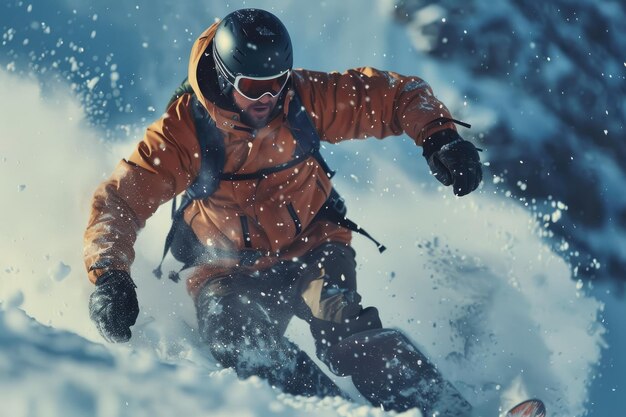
{"x": 253, "y": 88}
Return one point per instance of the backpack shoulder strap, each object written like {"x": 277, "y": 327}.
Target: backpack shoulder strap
{"x": 305, "y": 133}
{"x": 212, "y": 159}
{"x": 212, "y": 153}
{"x": 211, "y": 141}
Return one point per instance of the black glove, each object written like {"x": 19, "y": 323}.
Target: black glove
{"x": 453, "y": 160}
{"x": 113, "y": 306}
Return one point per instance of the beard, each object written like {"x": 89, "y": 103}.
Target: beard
{"x": 254, "y": 122}
{"x": 257, "y": 120}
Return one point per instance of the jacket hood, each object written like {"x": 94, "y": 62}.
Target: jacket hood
{"x": 202, "y": 76}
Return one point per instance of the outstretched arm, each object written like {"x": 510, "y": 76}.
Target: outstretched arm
{"x": 366, "y": 102}
{"x": 162, "y": 165}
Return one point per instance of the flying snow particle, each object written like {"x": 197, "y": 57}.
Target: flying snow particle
{"x": 59, "y": 272}
{"x": 595, "y": 264}
{"x": 21, "y": 187}
{"x": 74, "y": 64}
{"x": 92, "y": 83}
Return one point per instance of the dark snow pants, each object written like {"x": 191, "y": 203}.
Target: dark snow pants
{"x": 243, "y": 320}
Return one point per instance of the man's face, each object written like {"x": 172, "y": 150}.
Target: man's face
{"x": 255, "y": 113}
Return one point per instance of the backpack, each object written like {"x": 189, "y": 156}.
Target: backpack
{"x": 182, "y": 241}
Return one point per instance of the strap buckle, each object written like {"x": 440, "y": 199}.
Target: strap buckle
{"x": 337, "y": 204}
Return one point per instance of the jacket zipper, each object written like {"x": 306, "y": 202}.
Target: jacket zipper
{"x": 245, "y": 230}
{"x": 295, "y": 218}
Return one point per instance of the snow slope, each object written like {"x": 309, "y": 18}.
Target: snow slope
{"x": 49, "y": 373}
{"x": 470, "y": 280}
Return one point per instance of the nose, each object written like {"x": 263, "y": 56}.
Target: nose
{"x": 265, "y": 99}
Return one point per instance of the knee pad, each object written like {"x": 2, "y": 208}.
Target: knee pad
{"x": 332, "y": 340}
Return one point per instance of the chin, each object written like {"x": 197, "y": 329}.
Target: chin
{"x": 259, "y": 123}
{"x": 255, "y": 122}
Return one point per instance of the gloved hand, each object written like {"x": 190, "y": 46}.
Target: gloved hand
{"x": 113, "y": 306}
{"x": 453, "y": 161}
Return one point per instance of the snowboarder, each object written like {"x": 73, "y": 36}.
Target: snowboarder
{"x": 269, "y": 240}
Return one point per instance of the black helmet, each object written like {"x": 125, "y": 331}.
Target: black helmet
{"x": 252, "y": 43}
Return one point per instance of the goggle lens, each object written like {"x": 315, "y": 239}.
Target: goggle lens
{"x": 254, "y": 88}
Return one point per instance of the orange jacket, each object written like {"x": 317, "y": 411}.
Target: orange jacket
{"x": 358, "y": 103}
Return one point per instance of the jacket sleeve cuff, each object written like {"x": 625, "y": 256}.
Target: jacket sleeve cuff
{"x": 96, "y": 271}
